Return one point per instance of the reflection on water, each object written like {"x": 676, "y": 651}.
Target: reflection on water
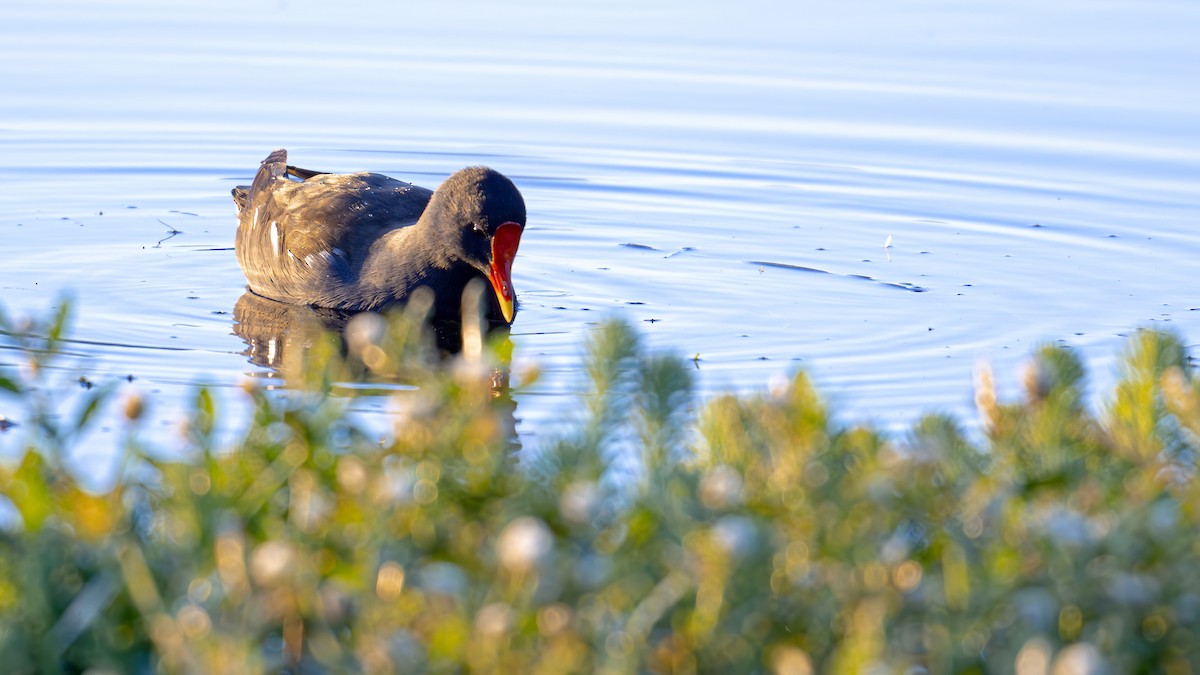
{"x": 274, "y": 330}
{"x": 970, "y": 178}
{"x": 376, "y": 349}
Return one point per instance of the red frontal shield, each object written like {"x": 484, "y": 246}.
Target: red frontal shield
{"x": 504, "y": 249}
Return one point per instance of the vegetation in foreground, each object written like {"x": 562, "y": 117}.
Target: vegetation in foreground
{"x": 751, "y": 535}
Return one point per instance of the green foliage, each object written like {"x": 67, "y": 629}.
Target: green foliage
{"x": 754, "y": 534}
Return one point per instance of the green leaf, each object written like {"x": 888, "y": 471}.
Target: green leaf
{"x": 58, "y": 324}
{"x": 204, "y": 413}
{"x": 10, "y": 385}
{"x": 92, "y": 402}
{"x": 30, "y": 492}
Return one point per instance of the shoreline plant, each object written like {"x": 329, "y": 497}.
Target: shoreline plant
{"x": 745, "y": 534}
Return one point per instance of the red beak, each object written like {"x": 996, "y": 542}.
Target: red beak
{"x": 504, "y": 249}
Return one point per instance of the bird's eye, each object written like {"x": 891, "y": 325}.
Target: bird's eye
{"x": 479, "y": 229}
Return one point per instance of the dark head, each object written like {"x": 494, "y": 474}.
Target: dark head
{"x": 480, "y": 213}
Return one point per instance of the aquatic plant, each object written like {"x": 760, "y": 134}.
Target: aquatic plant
{"x": 747, "y": 534}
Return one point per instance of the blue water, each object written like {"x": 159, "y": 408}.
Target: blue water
{"x": 687, "y": 165}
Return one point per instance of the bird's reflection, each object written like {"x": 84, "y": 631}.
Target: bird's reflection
{"x": 281, "y": 336}
{"x": 274, "y": 331}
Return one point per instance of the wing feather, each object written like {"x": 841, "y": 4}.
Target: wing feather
{"x": 309, "y": 238}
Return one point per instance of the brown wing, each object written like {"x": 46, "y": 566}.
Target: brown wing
{"x": 302, "y": 239}
{"x": 348, "y": 212}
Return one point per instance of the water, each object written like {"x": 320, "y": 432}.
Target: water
{"x": 724, "y": 178}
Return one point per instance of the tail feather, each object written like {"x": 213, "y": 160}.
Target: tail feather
{"x": 273, "y": 168}
{"x": 241, "y": 194}
{"x": 304, "y": 174}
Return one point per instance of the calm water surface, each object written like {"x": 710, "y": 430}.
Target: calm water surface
{"x": 726, "y": 179}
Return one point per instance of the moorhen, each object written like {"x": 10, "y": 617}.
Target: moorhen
{"x": 364, "y": 241}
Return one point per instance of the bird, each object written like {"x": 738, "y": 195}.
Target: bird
{"x": 363, "y": 241}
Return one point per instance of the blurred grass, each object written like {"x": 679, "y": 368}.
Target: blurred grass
{"x": 753, "y": 534}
